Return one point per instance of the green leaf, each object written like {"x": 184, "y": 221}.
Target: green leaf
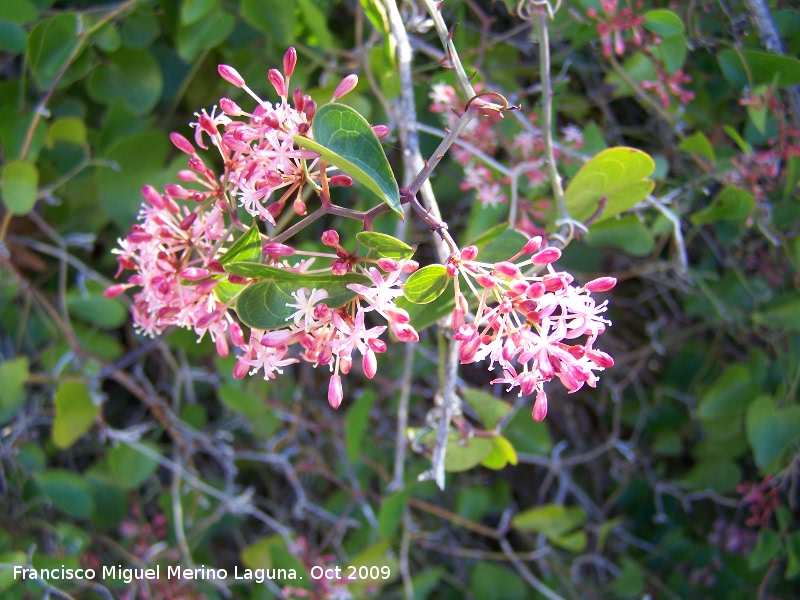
{"x": 68, "y": 491}
{"x": 130, "y": 467}
{"x": 719, "y": 474}
{"x": 731, "y": 204}
{"x": 792, "y": 176}
{"x": 12, "y": 38}
{"x": 194, "y": 10}
{"x": 502, "y": 454}
{"x": 207, "y": 33}
{"x": 345, "y": 139}
{"x": 7, "y": 577}
{"x": 553, "y": 520}
{"x": 781, "y": 314}
{"x": 107, "y": 313}
{"x": 262, "y": 305}
{"x": 771, "y": 431}
{"x": 257, "y": 414}
{"x": 628, "y": 234}
{"x": 736, "y": 137}
{"x": 574, "y": 542}
{"x": 631, "y": 581}
{"x": 20, "y": 186}
{"x": 390, "y": 514}
{"x": 500, "y": 247}
{"x": 490, "y": 409}
{"x": 20, "y": 12}
{"x": 245, "y": 249}
{"x": 464, "y": 454}
{"x": 132, "y": 76}
{"x": 663, "y": 22}
{"x": 50, "y": 45}
{"x": 729, "y": 395}
{"x": 110, "y": 500}
{"x": 316, "y": 22}
{"x": 673, "y": 50}
{"x": 767, "y": 548}
{"x": 274, "y": 18}
{"x": 382, "y": 245}
{"x": 698, "y": 143}
{"x": 750, "y": 68}
{"x": 426, "y": 284}
{"x": 75, "y": 413}
{"x": 356, "y": 423}
{"x": 71, "y": 130}
{"x": 793, "y": 551}
{"x": 488, "y": 580}
{"x": 615, "y": 179}
{"x": 423, "y": 316}
{"x": 272, "y": 553}
{"x": 13, "y": 375}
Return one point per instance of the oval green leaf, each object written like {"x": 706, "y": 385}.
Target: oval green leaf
{"x": 663, "y": 22}
{"x": 610, "y": 183}
{"x": 246, "y": 249}
{"x": 382, "y": 245}
{"x": 20, "y": 184}
{"x": 426, "y": 284}
{"x": 345, "y": 139}
{"x": 130, "y": 75}
{"x": 731, "y": 204}
{"x": 75, "y": 413}
{"x": 770, "y": 431}
{"x": 68, "y": 491}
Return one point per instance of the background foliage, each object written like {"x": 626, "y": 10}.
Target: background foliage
{"x": 677, "y": 477}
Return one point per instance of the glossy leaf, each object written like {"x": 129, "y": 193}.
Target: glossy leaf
{"x": 13, "y": 374}
{"x": 719, "y": 474}
{"x": 698, "y": 143}
{"x": 356, "y": 423}
{"x": 391, "y": 513}
{"x": 275, "y": 18}
{"x": 746, "y": 67}
{"x": 194, "y": 10}
{"x": 256, "y": 414}
{"x": 728, "y": 395}
{"x": 553, "y": 520}
{"x": 627, "y": 233}
{"x": 491, "y": 410}
{"x": 771, "y": 431}
{"x": 783, "y": 313}
{"x": 50, "y": 46}
{"x": 501, "y": 455}
{"x": 75, "y": 413}
{"x": 130, "y": 467}
{"x": 609, "y": 184}
{"x": 663, "y": 22}
{"x": 204, "y": 34}
{"x": 245, "y": 249}
{"x": 382, "y": 245}
{"x": 20, "y": 186}
{"x": 345, "y": 139}
{"x": 426, "y": 284}
{"x": 731, "y": 204}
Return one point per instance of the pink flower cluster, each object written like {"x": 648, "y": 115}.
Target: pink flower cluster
{"x": 615, "y": 23}
{"x": 667, "y": 85}
{"x": 525, "y": 151}
{"x": 527, "y": 324}
{"x": 175, "y": 251}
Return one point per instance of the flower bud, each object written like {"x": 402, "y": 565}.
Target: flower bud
{"x": 237, "y": 279}
{"x": 370, "y": 364}
{"x": 388, "y": 265}
{"x": 240, "y": 369}
{"x": 330, "y": 238}
{"x": 601, "y": 284}
{"x": 177, "y": 191}
{"x": 532, "y": 245}
{"x": 469, "y": 253}
{"x": 335, "y": 392}
{"x": 231, "y": 75}
{"x": 276, "y": 79}
{"x": 507, "y": 269}
{"x": 381, "y": 131}
{"x": 115, "y": 290}
{"x": 237, "y": 336}
{"x": 181, "y": 143}
{"x": 275, "y": 249}
{"x": 345, "y": 86}
{"x": 341, "y": 180}
{"x": 276, "y": 339}
{"x": 289, "y": 61}
{"x": 600, "y": 358}
{"x": 230, "y": 108}
{"x": 188, "y": 221}
{"x": 195, "y": 273}
{"x": 486, "y": 281}
{"x": 299, "y": 100}
{"x": 152, "y": 196}
{"x": 409, "y": 266}
{"x": 299, "y": 206}
{"x": 546, "y": 256}
{"x": 207, "y": 320}
{"x": 540, "y": 407}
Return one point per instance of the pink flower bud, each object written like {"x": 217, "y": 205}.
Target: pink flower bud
{"x": 341, "y": 180}
{"x": 540, "y": 407}
{"x": 469, "y": 253}
{"x": 330, "y": 238}
{"x": 206, "y": 287}
{"x": 396, "y": 314}
{"x": 168, "y": 312}
{"x": 298, "y": 99}
{"x": 532, "y": 245}
{"x": 404, "y": 332}
{"x": 535, "y": 290}
{"x": 345, "y": 364}
{"x": 274, "y": 249}
{"x": 600, "y": 358}
{"x": 310, "y": 109}
{"x": 381, "y": 131}
{"x": 115, "y": 290}
{"x": 240, "y": 369}
{"x": 370, "y": 364}
{"x": 207, "y": 320}
{"x": 231, "y": 75}
{"x": 139, "y": 237}
{"x": 152, "y": 196}
{"x": 237, "y": 336}
{"x": 207, "y": 125}
{"x": 377, "y": 345}
{"x": 486, "y": 281}
{"x": 277, "y": 81}
{"x": 546, "y": 256}
{"x": 299, "y": 206}
{"x": 177, "y": 191}
{"x": 276, "y": 339}
{"x": 195, "y": 273}
{"x": 345, "y": 86}
{"x": 221, "y": 344}
{"x": 410, "y": 266}
{"x": 188, "y": 221}
{"x": 507, "y": 269}
{"x": 237, "y": 279}
{"x": 181, "y": 143}
{"x": 340, "y": 267}
{"x": 215, "y": 266}
{"x": 289, "y": 61}
{"x": 553, "y": 283}
{"x": 335, "y": 392}
{"x": 230, "y": 108}
{"x": 322, "y": 312}
{"x": 187, "y": 175}
{"x": 601, "y": 284}
{"x": 388, "y": 265}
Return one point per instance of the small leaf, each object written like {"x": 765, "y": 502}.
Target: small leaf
{"x": 71, "y": 130}
{"x": 782, "y": 313}
{"x": 731, "y": 204}
{"x": 747, "y": 67}
{"x": 384, "y": 246}
{"x": 611, "y": 183}
{"x": 663, "y": 22}
{"x": 698, "y": 143}
{"x": 194, "y": 10}
{"x": 345, "y": 139}
{"x": 130, "y": 467}
{"x": 490, "y": 409}
{"x": 275, "y": 18}
{"x": 356, "y": 423}
{"x": 767, "y": 548}
{"x": 68, "y": 491}
{"x": 20, "y": 186}
{"x": 205, "y": 34}
{"x": 770, "y": 432}
{"x": 75, "y": 413}
{"x": 553, "y": 520}
{"x": 133, "y": 76}
{"x": 426, "y": 284}
{"x": 13, "y": 375}
{"x": 258, "y": 416}
{"x": 574, "y": 542}
{"x": 391, "y": 513}
{"x": 627, "y": 233}
{"x": 502, "y": 454}
{"x": 736, "y": 137}
{"x": 719, "y": 474}
{"x": 107, "y": 313}
{"x": 793, "y": 551}
{"x": 462, "y": 455}
{"x": 50, "y": 45}
{"x": 729, "y": 395}
{"x": 245, "y": 249}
